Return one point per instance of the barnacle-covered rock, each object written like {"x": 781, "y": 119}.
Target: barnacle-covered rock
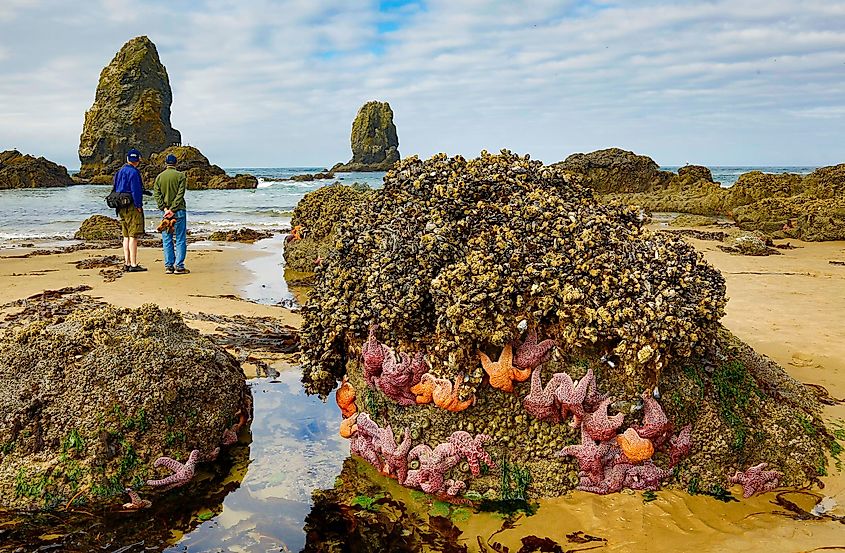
{"x": 99, "y": 227}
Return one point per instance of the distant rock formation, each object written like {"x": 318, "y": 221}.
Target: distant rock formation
{"x": 375, "y": 144}
{"x": 615, "y": 170}
{"x": 200, "y": 172}
{"x": 131, "y": 110}
{"x": 19, "y": 170}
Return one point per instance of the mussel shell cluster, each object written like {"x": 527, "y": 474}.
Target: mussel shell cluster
{"x": 453, "y": 254}
{"x": 319, "y": 211}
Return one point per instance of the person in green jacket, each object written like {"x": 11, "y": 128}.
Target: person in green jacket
{"x": 169, "y": 194}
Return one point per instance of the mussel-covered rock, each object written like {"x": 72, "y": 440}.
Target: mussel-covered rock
{"x": 99, "y": 227}
{"x": 90, "y": 400}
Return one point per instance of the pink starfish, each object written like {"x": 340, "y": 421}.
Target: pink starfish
{"x": 647, "y": 476}
{"x": 592, "y": 399}
{"x": 590, "y": 456}
{"x": 363, "y": 440}
{"x": 395, "y": 457}
{"x": 182, "y": 474}
{"x": 680, "y": 445}
{"x": 613, "y": 481}
{"x": 454, "y": 487}
{"x": 373, "y": 354}
{"x": 135, "y": 501}
{"x": 531, "y": 353}
{"x": 434, "y": 464}
{"x": 472, "y": 449}
{"x": 655, "y": 424}
{"x": 397, "y": 377}
{"x": 230, "y": 436}
{"x": 756, "y": 480}
{"x": 541, "y": 402}
{"x": 570, "y": 397}
{"x": 599, "y": 425}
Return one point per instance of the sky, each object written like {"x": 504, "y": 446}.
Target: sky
{"x": 264, "y": 83}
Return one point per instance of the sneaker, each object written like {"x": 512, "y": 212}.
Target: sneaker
{"x": 168, "y": 270}
{"x": 181, "y": 271}
{"x": 126, "y": 268}
{"x": 136, "y": 269}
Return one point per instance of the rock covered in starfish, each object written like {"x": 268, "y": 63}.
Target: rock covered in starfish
{"x": 655, "y": 424}
{"x": 680, "y": 445}
{"x": 373, "y": 354}
{"x": 135, "y": 501}
{"x": 599, "y": 425}
{"x": 473, "y": 449}
{"x": 541, "y": 402}
{"x": 502, "y": 373}
{"x": 756, "y": 480}
{"x": 345, "y": 398}
{"x": 395, "y": 456}
{"x": 445, "y": 394}
{"x": 531, "y": 353}
{"x": 635, "y": 448}
{"x": 590, "y": 456}
{"x": 182, "y": 473}
{"x": 397, "y": 377}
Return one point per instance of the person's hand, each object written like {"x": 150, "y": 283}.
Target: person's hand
{"x": 168, "y": 213}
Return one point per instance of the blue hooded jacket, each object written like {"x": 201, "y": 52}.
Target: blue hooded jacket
{"x": 128, "y": 180}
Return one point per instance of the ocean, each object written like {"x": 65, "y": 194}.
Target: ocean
{"x": 56, "y": 213}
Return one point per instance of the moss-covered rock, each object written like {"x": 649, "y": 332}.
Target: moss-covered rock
{"x": 614, "y": 170}
{"x": 246, "y": 235}
{"x": 688, "y": 220}
{"x": 749, "y": 243}
{"x": 131, "y": 110}
{"x": 201, "y": 174}
{"x": 375, "y": 144}
{"x": 99, "y": 227}
{"x": 755, "y": 186}
{"x": 90, "y": 400}
{"x": 19, "y": 170}
{"x": 795, "y": 217}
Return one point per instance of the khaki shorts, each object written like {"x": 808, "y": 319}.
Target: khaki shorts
{"x": 131, "y": 222}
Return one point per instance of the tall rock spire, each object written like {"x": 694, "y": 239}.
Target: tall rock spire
{"x": 375, "y": 144}
{"x": 131, "y": 110}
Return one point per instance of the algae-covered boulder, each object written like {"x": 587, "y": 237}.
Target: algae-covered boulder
{"x": 315, "y": 218}
{"x": 688, "y": 220}
{"x": 200, "y": 173}
{"x": 755, "y": 186}
{"x": 614, "y": 170}
{"x": 131, "y": 110}
{"x": 826, "y": 182}
{"x": 99, "y": 227}
{"x": 246, "y": 235}
{"x": 19, "y": 170}
{"x": 375, "y": 144}
{"x": 749, "y": 243}
{"x": 473, "y": 309}
{"x": 795, "y": 217}
{"x": 89, "y": 401}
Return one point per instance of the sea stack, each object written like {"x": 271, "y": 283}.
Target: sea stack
{"x": 131, "y": 110}
{"x": 19, "y": 170}
{"x": 375, "y": 144}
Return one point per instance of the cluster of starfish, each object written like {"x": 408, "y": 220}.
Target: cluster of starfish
{"x": 562, "y": 396}
{"x": 379, "y": 448}
{"x": 609, "y": 462}
{"x": 516, "y": 366}
{"x": 756, "y": 480}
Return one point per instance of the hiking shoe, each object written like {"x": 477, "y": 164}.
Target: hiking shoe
{"x": 126, "y": 268}
{"x": 181, "y": 271}
{"x": 168, "y": 270}
{"x": 136, "y": 269}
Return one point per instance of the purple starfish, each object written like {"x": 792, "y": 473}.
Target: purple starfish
{"x": 680, "y": 445}
{"x": 756, "y": 480}
{"x": 570, "y": 397}
{"x": 531, "y": 353}
{"x": 599, "y": 425}
{"x": 397, "y": 377}
{"x": 363, "y": 441}
{"x": 613, "y": 481}
{"x": 395, "y": 456}
{"x": 472, "y": 449}
{"x": 590, "y": 456}
{"x": 373, "y": 354}
{"x": 454, "y": 487}
{"x": 135, "y": 501}
{"x": 230, "y": 436}
{"x": 182, "y": 474}
{"x": 592, "y": 398}
{"x": 655, "y": 424}
{"x": 647, "y": 476}
{"x": 434, "y": 464}
{"x": 541, "y": 403}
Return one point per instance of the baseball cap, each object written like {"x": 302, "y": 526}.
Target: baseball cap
{"x": 170, "y": 159}
{"x": 133, "y": 155}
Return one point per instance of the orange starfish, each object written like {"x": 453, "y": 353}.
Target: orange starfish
{"x": 345, "y": 398}
{"x": 445, "y": 395}
{"x": 635, "y": 448}
{"x": 424, "y": 390}
{"x": 502, "y": 372}
{"x": 348, "y": 426}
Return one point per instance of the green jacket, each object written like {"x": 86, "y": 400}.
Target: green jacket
{"x": 169, "y": 189}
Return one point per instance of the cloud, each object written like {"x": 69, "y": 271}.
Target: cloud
{"x": 278, "y": 83}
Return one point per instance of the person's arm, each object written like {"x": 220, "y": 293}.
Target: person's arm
{"x": 157, "y": 195}
{"x": 180, "y": 190}
{"x": 137, "y": 188}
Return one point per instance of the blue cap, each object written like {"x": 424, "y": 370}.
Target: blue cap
{"x": 133, "y": 155}
{"x": 170, "y": 159}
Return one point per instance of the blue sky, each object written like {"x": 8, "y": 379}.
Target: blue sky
{"x": 277, "y": 83}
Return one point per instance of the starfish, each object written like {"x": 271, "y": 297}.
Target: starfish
{"x": 599, "y": 425}
{"x": 655, "y": 424}
{"x": 570, "y": 397}
{"x": 424, "y": 390}
{"x": 396, "y": 378}
{"x": 182, "y": 474}
{"x": 209, "y": 457}
{"x": 454, "y": 487}
{"x": 592, "y": 399}
{"x": 395, "y": 456}
{"x": 532, "y": 352}
{"x": 295, "y": 234}
{"x": 135, "y": 501}
{"x": 345, "y": 397}
{"x": 613, "y": 482}
{"x": 634, "y": 448}
{"x": 755, "y": 480}
{"x": 541, "y": 403}
{"x": 680, "y": 445}
{"x": 445, "y": 394}
{"x": 502, "y": 373}
{"x": 434, "y": 464}
{"x": 472, "y": 449}
{"x": 373, "y": 354}
{"x": 363, "y": 442}
{"x": 589, "y": 455}
{"x": 230, "y": 436}
{"x": 647, "y": 476}
{"x": 348, "y": 426}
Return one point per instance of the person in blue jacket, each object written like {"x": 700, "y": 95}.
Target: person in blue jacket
{"x": 128, "y": 180}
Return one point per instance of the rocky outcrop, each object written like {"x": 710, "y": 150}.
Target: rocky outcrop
{"x": 90, "y": 400}
{"x": 201, "y": 174}
{"x": 245, "y": 235}
{"x": 615, "y": 171}
{"x": 19, "y": 170}
{"x": 375, "y": 144}
{"x": 99, "y": 227}
{"x": 131, "y": 110}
